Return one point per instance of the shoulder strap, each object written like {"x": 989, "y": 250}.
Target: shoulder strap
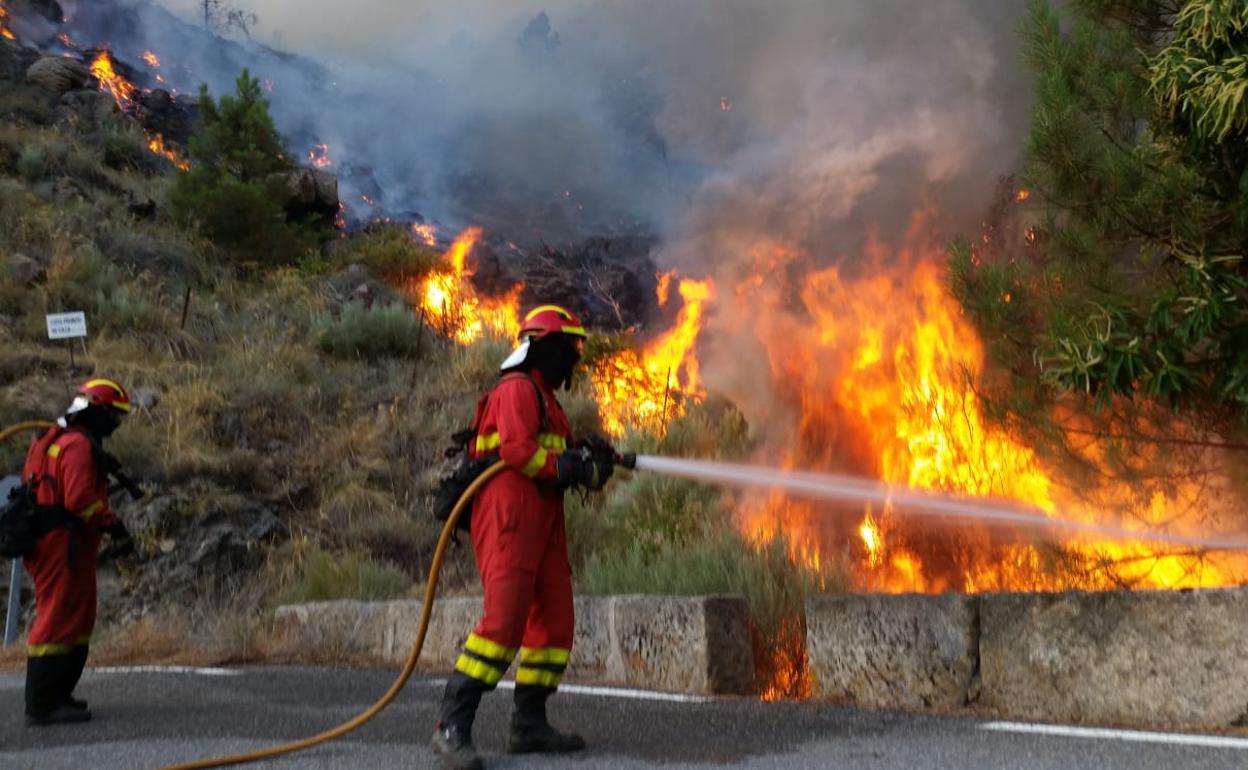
{"x": 541, "y": 398}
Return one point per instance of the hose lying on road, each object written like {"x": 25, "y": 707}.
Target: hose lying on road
{"x": 408, "y": 667}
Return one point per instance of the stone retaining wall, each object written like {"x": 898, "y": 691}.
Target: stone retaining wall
{"x": 1148, "y": 657}
{"x": 697, "y": 644}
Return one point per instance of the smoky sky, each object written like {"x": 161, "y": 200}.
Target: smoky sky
{"x": 808, "y": 119}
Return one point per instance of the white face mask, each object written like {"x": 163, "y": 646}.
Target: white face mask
{"x": 517, "y": 356}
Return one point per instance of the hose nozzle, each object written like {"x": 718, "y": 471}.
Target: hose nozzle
{"x": 627, "y": 460}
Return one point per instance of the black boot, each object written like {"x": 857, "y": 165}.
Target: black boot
{"x": 49, "y": 681}
{"x": 452, "y": 738}
{"x": 530, "y": 732}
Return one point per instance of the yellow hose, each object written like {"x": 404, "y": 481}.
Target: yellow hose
{"x": 426, "y": 609}
{"x": 408, "y": 667}
{"x": 13, "y": 430}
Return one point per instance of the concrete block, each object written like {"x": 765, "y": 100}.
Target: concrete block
{"x": 697, "y": 644}
{"x": 1160, "y": 657}
{"x": 908, "y": 651}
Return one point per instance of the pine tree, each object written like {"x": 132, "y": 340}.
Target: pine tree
{"x": 236, "y": 188}
{"x": 1131, "y": 280}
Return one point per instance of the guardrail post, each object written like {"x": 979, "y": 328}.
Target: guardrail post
{"x": 12, "y": 619}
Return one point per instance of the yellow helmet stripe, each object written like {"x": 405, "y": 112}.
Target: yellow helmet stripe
{"x": 561, "y": 311}
{"x": 123, "y": 405}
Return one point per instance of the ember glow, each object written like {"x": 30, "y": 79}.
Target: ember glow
{"x": 880, "y": 371}
{"x": 122, "y": 90}
{"x": 152, "y": 59}
{"x": 646, "y": 388}
{"x": 449, "y": 300}
{"x": 319, "y": 156}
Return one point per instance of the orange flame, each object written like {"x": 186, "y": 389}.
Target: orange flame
{"x": 4, "y": 24}
{"x": 425, "y": 233}
{"x": 157, "y": 145}
{"x": 105, "y": 73}
{"x": 152, "y": 59}
{"x": 664, "y": 287}
{"x": 882, "y": 371}
{"x": 643, "y": 389}
{"x": 448, "y": 298}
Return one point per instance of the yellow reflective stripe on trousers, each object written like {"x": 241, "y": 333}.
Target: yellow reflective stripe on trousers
{"x": 552, "y": 441}
{"x": 555, "y": 655}
{"x": 482, "y": 646}
{"x": 490, "y": 442}
{"x": 538, "y": 676}
{"x": 478, "y": 669}
{"x": 40, "y": 650}
{"x": 535, "y": 463}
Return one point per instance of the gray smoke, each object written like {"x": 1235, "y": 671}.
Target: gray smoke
{"x": 810, "y": 118}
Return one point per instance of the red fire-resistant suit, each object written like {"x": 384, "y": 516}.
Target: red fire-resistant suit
{"x": 64, "y": 462}
{"x": 519, "y": 538}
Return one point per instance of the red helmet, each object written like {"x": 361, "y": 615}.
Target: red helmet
{"x": 100, "y": 392}
{"x": 550, "y": 319}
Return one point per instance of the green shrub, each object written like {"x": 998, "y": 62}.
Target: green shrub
{"x": 723, "y": 562}
{"x": 379, "y": 332}
{"x": 32, "y": 165}
{"x": 236, "y": 188}
{"x": 390, "y": 251}
{"x": 348, "y": 576}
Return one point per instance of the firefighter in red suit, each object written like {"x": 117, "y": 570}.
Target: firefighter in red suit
{"x": 64, "y": 467}
{"x": 520, "y": 543}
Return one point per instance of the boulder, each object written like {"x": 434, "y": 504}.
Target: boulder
{"x": 312, "y": 191}
{"x": 173, "y": 119}
{"x": 86, "y": 107}
{"x": 58, "y": 73}
{"x": 893, "y": 651}
{"x": 25, "y": 270}
{"x": 15, "y": 59}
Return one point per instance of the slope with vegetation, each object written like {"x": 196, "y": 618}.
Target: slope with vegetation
{"x": 292, "y": 409}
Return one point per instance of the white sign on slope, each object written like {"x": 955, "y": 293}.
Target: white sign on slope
{"x": 63, "y": 326}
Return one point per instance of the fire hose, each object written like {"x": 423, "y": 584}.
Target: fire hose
{"x": 409, "y": 666}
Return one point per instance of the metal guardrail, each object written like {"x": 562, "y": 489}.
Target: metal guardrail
{"x": 12, "y": 619}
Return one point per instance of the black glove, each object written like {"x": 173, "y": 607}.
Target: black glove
{"x": 578, "y": 468}
{"x": 598, "y": 446}
{"x": 123, "y": 544}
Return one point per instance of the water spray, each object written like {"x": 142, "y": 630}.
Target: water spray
{"x": 912, "y": 502}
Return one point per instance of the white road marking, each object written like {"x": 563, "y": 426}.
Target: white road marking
{"x": 1137, "y": 736}
{"x": 604, "y": 692}
{"x": 165, "y": 670}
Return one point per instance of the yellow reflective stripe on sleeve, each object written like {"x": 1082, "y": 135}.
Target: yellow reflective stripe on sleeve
{"x": 538, "y": 676}
{"x": 487, "y": 443}
{"x": 552, "y": 441}
{"x": 554, "y": 655}
{"x": 477, "y": 669}
{"x": 535, "y": 463}
{"x": 482, "y": 646}
{"x": 91, "y": 509}
{"x": 54, "y": 450}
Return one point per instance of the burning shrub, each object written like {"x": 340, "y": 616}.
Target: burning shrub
{"x": 236, "y": 190}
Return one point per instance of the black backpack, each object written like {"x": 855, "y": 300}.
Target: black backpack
{"x": 23, "y": 521}
{"x": 468, "y": 468}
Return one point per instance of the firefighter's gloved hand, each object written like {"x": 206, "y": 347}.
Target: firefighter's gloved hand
{"x": 578, "y": 468}
{"x": 122, "y": 544}
{"x": 598, "y": 446}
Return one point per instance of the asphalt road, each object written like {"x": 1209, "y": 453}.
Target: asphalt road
{"x": 148, "y": 719}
